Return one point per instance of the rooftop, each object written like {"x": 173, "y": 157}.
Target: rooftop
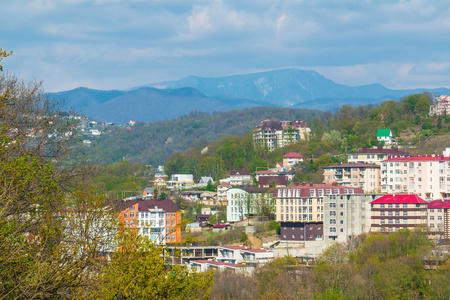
{"x": 237, "y": 173}
{"x": 425, "y": 157}
{"x": 438, "y": 203}
{"x": 399, "y": 198}
{"x": 144, "y": 205}
{"x": 293, "y": 155}
{"x": 353, "y": 165}
{"x": 380, "y": 150}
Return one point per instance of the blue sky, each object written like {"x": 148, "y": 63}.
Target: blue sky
{"x": 118, "y": 44}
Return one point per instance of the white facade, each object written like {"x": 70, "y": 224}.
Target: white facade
{"x": 241, "y": 203}
{"x": 151, "y": 224}
{"x": 426, "y": 176}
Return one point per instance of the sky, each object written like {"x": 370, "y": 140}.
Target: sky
{"x": 119, "y": 44}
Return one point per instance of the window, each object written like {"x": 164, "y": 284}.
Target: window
{"x": 405, "y": 221}
{"x": 131, "y": 215}
{"x": 405, "y": 213}
{"x": 332, "y": 221}
{"x": 431, "y": 218}
{"x": 332, "y": 213}
{"x": 341, "y": 213}
{"x": 167, "y": 222}
{"x": 405, "y": 205}
{"x": 125, "y": 215}
{"x": 397, "y": 213}
{"x": 381, "y": 205}
{"x": 397, "y": 221}
{"x": 397, "y": 205}
{"x": 281, "y": 201}
{"x": 132, "y": 208}
{"x": 390, "y": 205}
{"x": 332, "y": 204}
{"x": 389, "y": 213}
{"x": 332, "y": 229}
{"x": 173, "y": 222}
{"x": 341, "y": 222}
{"x": 390, "y": 221}
{"x": 439, "y": 218}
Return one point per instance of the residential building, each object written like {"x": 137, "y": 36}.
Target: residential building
{"x": 205, "y": 179}
{"x": 363, "y": 175}
{"x": 436, "y": 216}
{"x": 274, "y": 134}
{"x": 375, "y": 155}
{"x": 239, "y": 254}
{"x": 288, "y": 174}
{"x": 394, "y": 211}
{"x": 159, "y": 181}
{"x": 385, "y": 136}
{"x": 221, "y": 227}
{"x": 148, "y": 192}
{"x": 246, "y": 201}
{"x": 222, "y": 193}
{"x": 180, "y": 181}
{"x": 427, "y": 176}
{"x": 272, "y": 181}
{"x": 238, "y": 178}
{"x": 157, "y": 219}
{"x": 299, "y": 209}
{"x": 191, "y": 195}
{"x": 346, "y": 216}
{"x": 291, "y": 159}
{"x": 442, "y": 105}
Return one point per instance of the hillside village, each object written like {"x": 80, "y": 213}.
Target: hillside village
{"x": 379, "y": 189}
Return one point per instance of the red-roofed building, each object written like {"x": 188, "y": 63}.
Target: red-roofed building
{"x": 299, "y": 209}
{"x": 394, "y": 211}
{"x": 436, "y": 216}
{"x": 157, "y": 219}
{"x": 428, "y": 176}
{"x": 363, "y": 175}
{"x": 291, "y": 159}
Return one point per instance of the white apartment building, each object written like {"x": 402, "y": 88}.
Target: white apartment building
{"x": 180, "y": 181}
{"x": 428, "y": 176}
{"x": 246, "y": 201}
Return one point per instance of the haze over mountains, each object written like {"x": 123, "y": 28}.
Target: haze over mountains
{"x": 170, "y": 99}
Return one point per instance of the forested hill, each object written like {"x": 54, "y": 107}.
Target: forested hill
{"x": 152, "y": 143}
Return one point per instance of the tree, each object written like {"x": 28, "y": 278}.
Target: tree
{"x": 138, "y": 270}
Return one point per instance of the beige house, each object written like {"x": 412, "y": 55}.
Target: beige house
{"x": 436, "y": 217}
{"x": 363, "y": 175}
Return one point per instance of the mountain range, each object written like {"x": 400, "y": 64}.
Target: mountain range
{"x": 280, "y": 88}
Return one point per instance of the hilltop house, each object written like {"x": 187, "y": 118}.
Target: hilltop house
{"x": 374, "y": 155}
{"x": 385, "y": 135}
{"x": 274, "y": 134}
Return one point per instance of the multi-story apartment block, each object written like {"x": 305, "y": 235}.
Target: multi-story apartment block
{"x": 246, "y": 201}
{"x": 276, "y": 134}
{"x": 394, "y": 211}
{"x": 222, "y": 193}
{"x": 374, "y": 155}
{"x": 363, "y": 175}
{"x": 346, "y": 216}
{"x": 442, "y": 105}
{"x": 159, "y": 220}
{"x": 436, "y": 216}
{"x": 299, "y": 209}
{"x": 427, "y": 176}
{"x": 180, "y": 181}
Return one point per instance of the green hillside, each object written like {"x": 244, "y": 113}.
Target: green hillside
{"x": 152, "y": 143}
